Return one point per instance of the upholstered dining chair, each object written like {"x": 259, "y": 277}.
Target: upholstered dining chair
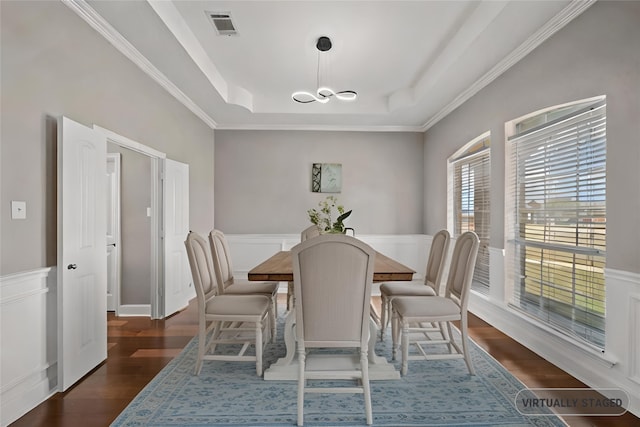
{"x": 332, "y": 277}
{"x": 410, "y": 312}
{"x": 307, "y": 233}
{"x": 224, "y": 319}
{"x": 228, "y": 285}
{"x": 429, "y": 287}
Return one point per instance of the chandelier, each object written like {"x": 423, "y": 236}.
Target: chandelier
{"x": 323, "y": 93}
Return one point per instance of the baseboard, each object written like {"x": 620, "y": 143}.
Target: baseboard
{"x": 132, "y": 310}
{"x": 617, "y": 367}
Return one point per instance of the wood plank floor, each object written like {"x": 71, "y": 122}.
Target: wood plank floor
{"x": 139, "y": 348}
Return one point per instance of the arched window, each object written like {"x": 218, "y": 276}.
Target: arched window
{"x": 556, "y": 218}
{"x": 469, "y": 184}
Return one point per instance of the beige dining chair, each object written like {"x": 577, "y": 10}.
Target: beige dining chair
{"x": 224, "y": 319}
{"x": 429, "y": 287}
{"x": 228, "y": 285}
{"x": 410, "y": 312}
{"x": 332, "y": 277}
{"x": 307, "y": 233}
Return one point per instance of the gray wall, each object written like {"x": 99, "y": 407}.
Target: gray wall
{"x": 263, "y": 180}
{"x": 596, "y": 54}
{"x": 54, "y": 64}
{"x": 135, "y": 225}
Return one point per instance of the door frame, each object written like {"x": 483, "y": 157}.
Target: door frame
{"x": 157, "y": 262}
{"x": 114, "y": 203}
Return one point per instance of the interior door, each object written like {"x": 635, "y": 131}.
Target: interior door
{"x": 113, "y": 232}
{"x": 82, "y": 255}
{"x": 178, "y": 288}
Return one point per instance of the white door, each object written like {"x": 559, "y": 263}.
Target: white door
{"x": 113, "y": 232}
{"x": 82, "y": 255}
{"x": 178, "y": 289}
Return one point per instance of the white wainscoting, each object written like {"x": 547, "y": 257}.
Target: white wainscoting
{"x": 617, "y": 367}
{"x": 249, "y": 250}
{"x": 28, "y": 341}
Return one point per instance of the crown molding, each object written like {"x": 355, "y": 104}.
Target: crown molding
{"x": 98, "y": 23}
{"x": 329, "y": 128}
{"x": 566, "y": 15}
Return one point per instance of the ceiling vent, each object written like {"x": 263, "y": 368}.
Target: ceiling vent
{"x": 223, "y": 23}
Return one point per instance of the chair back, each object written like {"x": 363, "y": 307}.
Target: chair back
{"x": 204, "y": 279}
{"x": 463, "y": 264}
{"x": 221, "y": 259}
{"x": 332, "y": 276}
{"x": 436, "y": 260}
{"x": 309, "y": 232}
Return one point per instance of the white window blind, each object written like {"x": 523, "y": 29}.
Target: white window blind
{"x": 470, "y": 207}
{"x": 557, "y": 238}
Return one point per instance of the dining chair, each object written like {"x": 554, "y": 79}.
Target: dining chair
{"x": 307, "y": 233}
{"x": 429, "y": 287}
{"x": 224, "y": 319}
{"x": 228, "y": 285}
{"x": 410, "y": 312}
{"x": 332, "y": 277}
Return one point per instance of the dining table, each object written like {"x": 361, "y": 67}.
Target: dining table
{"x": 279, "y": 268}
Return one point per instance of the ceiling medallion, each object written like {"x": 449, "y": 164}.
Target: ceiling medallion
{"x": 323, "y": 93}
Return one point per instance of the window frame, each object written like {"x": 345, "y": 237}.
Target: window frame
{"x": 466, "y": 156}
{"x": 584, "y": 325}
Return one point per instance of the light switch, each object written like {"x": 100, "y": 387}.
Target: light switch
{"x": 18, "y": 210}
{"x": 149, "y": 212}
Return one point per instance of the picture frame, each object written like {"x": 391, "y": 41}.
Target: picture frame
{"x": 326, "y": 178}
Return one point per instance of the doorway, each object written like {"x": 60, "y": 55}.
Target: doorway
{"x": 129, "y": 216}
{"x": 114, "y": 258}
{"x": 161, "y": 203}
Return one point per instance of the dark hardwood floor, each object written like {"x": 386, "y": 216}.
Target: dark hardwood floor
{"x": 139, "y": 348}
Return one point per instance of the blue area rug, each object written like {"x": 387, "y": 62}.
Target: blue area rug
{"x": 434, "y": 393}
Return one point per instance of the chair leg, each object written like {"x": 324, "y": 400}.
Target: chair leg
{"x": 364, "y": 367}
{"x": 301, "y": 386}
{"x": 259, "y": 348}
{"x": 274, "y": 317}
{"x": 449, "y": 337}
{"x": 384, "y": 315}
{"x": 465, "y": 347}
{"x": 289, "y": 295}
{"x": 202, "y": 338}
{"x": 405, "y": 347}
{"x": 394, "y": 333}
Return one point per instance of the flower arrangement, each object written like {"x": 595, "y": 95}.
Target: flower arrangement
{"x": 322, "y": 218}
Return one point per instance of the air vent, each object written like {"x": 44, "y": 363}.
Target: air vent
{"x": 223, "y": 23}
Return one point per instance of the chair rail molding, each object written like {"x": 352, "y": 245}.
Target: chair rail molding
{"x": 249, "y": 250}
{"x": 28, "y": 342}
{"x": 618, "y": 366}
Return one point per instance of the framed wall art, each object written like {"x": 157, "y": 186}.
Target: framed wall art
{"x": 326, "y": 178}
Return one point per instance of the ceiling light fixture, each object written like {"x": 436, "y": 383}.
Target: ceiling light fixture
{"x": 323, "y": 94}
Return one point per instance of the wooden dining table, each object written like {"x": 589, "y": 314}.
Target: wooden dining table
{"x": 279, "y": 268}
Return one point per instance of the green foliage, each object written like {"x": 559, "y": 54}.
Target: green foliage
{"x": 323, "y": 217}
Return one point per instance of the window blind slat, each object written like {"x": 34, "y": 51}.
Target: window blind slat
{"x": 471, "y": 203}
{"x": 558, "y": 239}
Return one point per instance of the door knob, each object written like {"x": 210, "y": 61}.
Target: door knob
{"x": 71, "y": 267}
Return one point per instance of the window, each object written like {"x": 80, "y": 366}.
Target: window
{"x": 469, "y": 183}
{"x": 556, "y": 219}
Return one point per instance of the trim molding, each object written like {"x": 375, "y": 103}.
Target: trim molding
{"x": 634, "y": 339}
{"x": 626, "y": 277}
{"x": 29, "y": 304}
{"x": 566, "y": 15}
{"x": 98, "y": 23}
{"x": 128, "y": 310}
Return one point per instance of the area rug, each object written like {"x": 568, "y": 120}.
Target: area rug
{"x": 434, "y": 393}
